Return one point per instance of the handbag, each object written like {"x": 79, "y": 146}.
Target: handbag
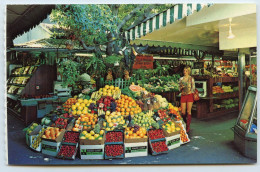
{"x": 196, "y": 96}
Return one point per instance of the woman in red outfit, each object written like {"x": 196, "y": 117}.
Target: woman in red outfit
{"x": 187, "y": 87}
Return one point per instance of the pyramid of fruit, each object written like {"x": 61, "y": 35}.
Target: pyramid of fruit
{"x": 135, "y": 132}
{"x": 127, "y": 106}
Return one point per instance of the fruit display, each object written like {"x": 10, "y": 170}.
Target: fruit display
{"x": 159, "y": 147}
{"x": 114, "y": 150}
{"x": 110, "y": 91}
{"x": 184, "y": 137}
{"x": 31, "y": 128}
{"x": 170, "y": 127}
{"x": 36, "y": 140}
{"x": 71, "y": 137}
{"x": 60, "y": 123}
{"x": 85, "y": 122}
{"x": 82, "y": 107}
{"x": 135, "y": 88}
{"x": 67, "y": 151}
{"x": 227, "y": 89}
{"x": 127, "y": 106}
{"x": 106, "y": 103}
{"x": 155, "y": 134}
{"x": 51, "y": 133}
{"x": 114, "y": 136}
{"x": 163, "y": 114}
{"x": 217, "y": 89}
{"x": 68, "y": 104}
{"x": 112, "y": 120}
{"x": 162, "y": 101}
{"x": 229, "y": 103}
{"x": 144, "y": 119}
{"x": 175, "y": 111}
{"x": 135, "y": 132}
{"x": 66, "y": 115}
{"x": 95, "y": 134}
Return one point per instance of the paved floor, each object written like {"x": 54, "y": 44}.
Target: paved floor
{"x": 211, "y": 143}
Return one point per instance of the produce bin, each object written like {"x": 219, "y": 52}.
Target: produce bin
{"x": 153, "y": 148}
{"x": 136, "y": 147}
{"x": 121, "y": 156}
{"x": 61, "y": 155}
{"x": 114, "y": 142}
{"x": 51, "y": 147}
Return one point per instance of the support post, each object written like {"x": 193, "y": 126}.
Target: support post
{"x": 241, "y": 68}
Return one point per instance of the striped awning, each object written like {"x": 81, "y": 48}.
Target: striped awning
{"x": 177, "y": 12}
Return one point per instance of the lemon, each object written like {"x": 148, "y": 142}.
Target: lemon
{"x": 109, "y": 120}
{"x": 104, "y": 124}
{"x": 118, "y": 119}
{"x": 111, "y": 87}
{"x": 73, "y": 107}
{"x": 82, "y": 137}
{"x": 85, "y": 101}
{"x": 114, "y": 120}
{"x": 84, "y": 132}
{"x": 87, "y": 135}
{"x": 92, "y": 132}
{"x": 89, "y": 101}
{"x": 80, "y": 100}
{"x": 78, "y": 112}
{"x": 77, "y": 104}
{"x": 101, "y": 132}
{"x": 91, "y": 138}
{"x": 96, "y": 135}
{"x": 116, "y": 88}
{"x": 110, "y": 124}
{"x": 100, "y": 138}
{"x": 83, "y": 105}
{"x": 74, "y": 112}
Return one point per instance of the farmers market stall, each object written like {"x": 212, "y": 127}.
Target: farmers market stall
{"x": 109, "y": 127}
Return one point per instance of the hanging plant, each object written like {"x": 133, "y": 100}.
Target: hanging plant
{"x": 69, "y": 71}
{"x": 96, "y": 66}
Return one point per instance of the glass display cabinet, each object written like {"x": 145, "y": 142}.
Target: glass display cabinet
{"x": 245, "y": 129}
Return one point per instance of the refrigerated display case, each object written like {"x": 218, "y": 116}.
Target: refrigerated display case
{"x": 245, "y": 129}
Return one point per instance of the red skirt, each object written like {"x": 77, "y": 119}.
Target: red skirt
{"x": 187, "y": 98}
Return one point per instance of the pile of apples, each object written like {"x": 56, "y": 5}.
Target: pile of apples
{"x": 135, "y": 132}
{"x": 92, "y": 135}
{"x": 127, "y": 106}
{"x": 85, "y": 122}
{"x": 51, "y": 133}
{"x": 107, "y": 102}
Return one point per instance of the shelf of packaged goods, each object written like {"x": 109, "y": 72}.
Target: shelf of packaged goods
{"x": 226, "y": 95}
{"x": 12, "y": 96}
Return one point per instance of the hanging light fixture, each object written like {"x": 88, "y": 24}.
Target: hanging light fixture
{"x": 230, "y": 34}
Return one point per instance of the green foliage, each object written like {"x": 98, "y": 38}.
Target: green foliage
{"x": 69, "y": 71}
{"x": 112, "y": 59}
{"x": 91, "y": 23}
{"x": 95, "y": 65}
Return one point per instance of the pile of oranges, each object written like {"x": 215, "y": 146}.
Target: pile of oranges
{"x": 85, "y": 122}
{"x": 127, "y": 105}
{"x": 140, "y": 133}
{"x": 67, "y": 105}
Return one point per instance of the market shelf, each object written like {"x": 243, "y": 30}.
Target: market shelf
{"x": 13, "y": 112}
{"x": 225, "y": 79}
{"x": 223, "y": 111}
{"x": 226, "y": 95}
{"x": 12, "y": 96}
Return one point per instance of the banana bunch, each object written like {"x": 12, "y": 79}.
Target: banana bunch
{"x": 96, "y": 95}
{"x": 116, "y": 94}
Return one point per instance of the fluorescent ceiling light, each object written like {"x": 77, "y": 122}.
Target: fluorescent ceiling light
{"x": 230, "y": 34}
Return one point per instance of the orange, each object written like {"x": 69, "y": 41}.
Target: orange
{"x": 122, "y": 113}
{"x": 134, "y": 135}
{"x": 127, "y": 113}
{"x": 127, "y": 109}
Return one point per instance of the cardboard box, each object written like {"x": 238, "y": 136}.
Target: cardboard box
{"x": 136, "y": 149}
{"x": 28, "y": 137}
{"x": 92, "y": 151}
{"x": 173, "y": 141}
{"x": 64, "y": 157}
{"x": 136, "y": 140}
{"x": 51, "y": 147}
{"x": 114, "y": 157}
{"x": 36, "y": 136}
{"x": 92, "y": 142}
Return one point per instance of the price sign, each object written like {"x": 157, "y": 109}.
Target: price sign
{"x": 143, "y": 62}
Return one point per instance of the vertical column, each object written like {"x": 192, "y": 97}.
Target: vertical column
{"x": 241, "y": 67}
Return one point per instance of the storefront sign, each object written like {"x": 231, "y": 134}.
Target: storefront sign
{"x": 143, "y": 62}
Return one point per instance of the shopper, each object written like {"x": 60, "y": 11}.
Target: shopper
{"x": 187, "y": 87}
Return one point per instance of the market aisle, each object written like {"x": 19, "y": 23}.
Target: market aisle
{"x": 211, "y": 143}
